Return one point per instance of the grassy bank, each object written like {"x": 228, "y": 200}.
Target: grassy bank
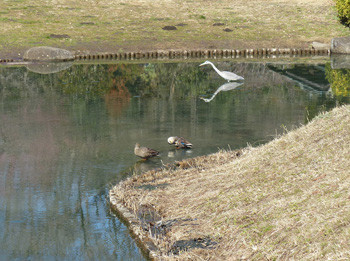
{"x": 110, "y": 26}
{"x": 288, "y": 199}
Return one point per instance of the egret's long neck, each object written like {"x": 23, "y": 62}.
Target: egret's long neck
{"x": 216, "y": 69}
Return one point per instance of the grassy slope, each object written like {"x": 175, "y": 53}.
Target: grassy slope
{"x": 117, "y": 25}
{"x": 288, "y": 199}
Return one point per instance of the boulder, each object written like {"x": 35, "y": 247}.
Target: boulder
{"x": 340, "y": 45}
{"x": 320, "y": 46}
{"x": 47, "y": 54}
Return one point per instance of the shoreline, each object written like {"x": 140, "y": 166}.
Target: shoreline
{"x": 147, "y": 224}
{"x": 143, "y": 241}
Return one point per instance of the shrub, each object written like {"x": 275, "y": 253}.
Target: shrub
{"x": 343, "y": 8}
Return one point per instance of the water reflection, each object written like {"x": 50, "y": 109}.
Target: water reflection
{"x": 66, "y": 137}
{"x": 225, "y": 87}
{"x": 179, "y": 153}
{"x": 340, "y": 81}
{"x": 310, "y": 77}
{"x": 48, "y": 67}
{"x": 143, "y": 166}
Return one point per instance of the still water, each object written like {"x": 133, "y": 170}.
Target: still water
{"x": 67, "y": 137}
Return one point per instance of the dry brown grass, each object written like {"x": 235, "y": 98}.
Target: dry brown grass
{"x": 288, "y": 199}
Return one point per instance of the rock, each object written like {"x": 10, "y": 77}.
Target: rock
{"x": 44, "y": 53}
{"x": 320, "y": 46}
{"x": 228, "y": 30}
{"x": 340, "y": 45}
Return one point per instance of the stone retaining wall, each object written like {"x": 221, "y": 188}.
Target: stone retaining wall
{"x": 183, "y": 54}
{"x": 173, "y": 54}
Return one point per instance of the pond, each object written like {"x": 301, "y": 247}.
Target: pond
{"x": 67, "y": 137}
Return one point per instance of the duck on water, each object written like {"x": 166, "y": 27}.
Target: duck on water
{"x": 144, "y": 152}
{"x": 180, "y": 142}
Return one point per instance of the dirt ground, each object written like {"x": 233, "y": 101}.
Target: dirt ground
{"x": 96, "y": 26}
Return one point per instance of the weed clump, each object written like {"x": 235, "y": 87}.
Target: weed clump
{"x": 343, "y": 9}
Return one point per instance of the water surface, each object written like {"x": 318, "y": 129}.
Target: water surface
{"x": 67, "y": 137}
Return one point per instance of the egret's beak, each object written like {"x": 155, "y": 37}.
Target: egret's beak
{"x": 202, "y": 64}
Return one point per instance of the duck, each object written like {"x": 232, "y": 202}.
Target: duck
{"x": 144, "y": 152}
{"x": 180, "y": 142}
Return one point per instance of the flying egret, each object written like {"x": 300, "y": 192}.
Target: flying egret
{"x": 229, "y": 76}
{"x": 180, "y": 142}
{"x": 144, "y": 152}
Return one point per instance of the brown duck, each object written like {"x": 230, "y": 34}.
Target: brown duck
{"x": 144, "y": 152}
{"x": 180, "y": 142}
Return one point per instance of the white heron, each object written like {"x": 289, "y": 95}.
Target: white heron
{"x": 229, "y": 76}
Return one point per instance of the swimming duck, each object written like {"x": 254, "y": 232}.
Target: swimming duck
{"x": 180, "y": 142}
{"x": 144, "y": 152}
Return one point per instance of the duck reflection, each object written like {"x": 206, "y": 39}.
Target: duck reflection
{"x": 142, "y": 166}
{"x": 175, "y": 153}
{"x": 225, "y": 87}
